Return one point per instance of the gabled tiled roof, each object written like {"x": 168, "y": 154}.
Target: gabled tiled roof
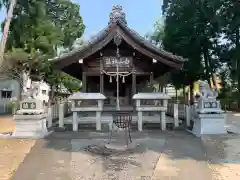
{"x": 117, "y": 18}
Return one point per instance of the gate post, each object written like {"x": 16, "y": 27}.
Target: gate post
{"x": 140, "y": 117}
{"x": 163, "y": 116}
{"x": 175, "y": 115}
{"x": 187, "y": 115}
{"x": 75, "y": 121}
{"x": 61, "y": 115}
{"x": 49, "y": 116}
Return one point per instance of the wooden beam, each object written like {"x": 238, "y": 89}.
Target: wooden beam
{"x": 134, "y": 90}
{"x": 92, "y": 73}
{"x": 142, "y": 73}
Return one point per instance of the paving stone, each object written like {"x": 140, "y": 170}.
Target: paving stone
{"x": 183, "y": 159}
{"x": 48, "y": 160}
{"x": 158, "y": 156}
{"x": 137, "y": 164}
{"x": 223, "y": 153}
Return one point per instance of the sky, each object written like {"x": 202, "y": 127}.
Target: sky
{"x": 140, "y": 14}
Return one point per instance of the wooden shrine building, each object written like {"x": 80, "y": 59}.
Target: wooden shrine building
{"x": 117, "y": 53}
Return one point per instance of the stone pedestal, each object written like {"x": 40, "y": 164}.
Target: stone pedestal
{"x": 31, "y": 106}
{"x": 30, "y": 126}
{"x": 209, "y": 118}
{"x": 206, "y": 124}
{"x": 30, "y": 120}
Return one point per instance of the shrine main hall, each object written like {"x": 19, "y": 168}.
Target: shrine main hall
{"x": 118, "y": 62}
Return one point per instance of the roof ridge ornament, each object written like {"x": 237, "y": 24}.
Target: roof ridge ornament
{"x": 117, "y": 39}
{"x": 117, "y": 15}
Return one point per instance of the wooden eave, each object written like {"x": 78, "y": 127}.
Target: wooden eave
{"x": 130, "y": 36}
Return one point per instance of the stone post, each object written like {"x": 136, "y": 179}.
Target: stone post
{"x": 140, "y": 116}
{"x": 98, "y": 115}
{"x": 75, "y": 121}
{"x": 61, "y": 115}
{"x": 163, "y": 116}
{"x": 175, "y": 115}
{"x": 49, "y": 117}
{"x": 75, "y": 118}
{"x": 188, "y": 115}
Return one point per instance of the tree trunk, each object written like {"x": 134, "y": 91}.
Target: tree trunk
{"x": 206, "y": 63}
{"x": 51, "y": 96}
{"x": 5, "y": 30}
{"x": 160, "y": 88}
{"x": 238, "y": 63}
{"x": 176, "y": 94}
{"x": 191, "y": 93}
{"x": 21, "y": 86}
{"x": 184, "y": 94}
{"x": 213, "y": 77}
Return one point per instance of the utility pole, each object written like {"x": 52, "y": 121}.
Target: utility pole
{"x": 5, "y": 31}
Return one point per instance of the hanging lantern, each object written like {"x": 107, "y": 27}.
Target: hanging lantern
{"x": 110, "y": 80}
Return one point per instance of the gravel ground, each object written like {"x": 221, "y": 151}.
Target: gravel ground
{"x": 12, "y": 151}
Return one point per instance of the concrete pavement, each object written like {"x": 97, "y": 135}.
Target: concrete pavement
{"x": 233, "y": 122}
{"x": 174, "y": 155}
{"x": 160, "y": 156}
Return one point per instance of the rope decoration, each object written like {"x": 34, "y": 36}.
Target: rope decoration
{"x": 112, "y": 74}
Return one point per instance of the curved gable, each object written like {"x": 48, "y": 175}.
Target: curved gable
{"x": 118, "y": 26}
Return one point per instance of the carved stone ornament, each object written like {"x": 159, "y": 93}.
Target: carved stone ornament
{"x": 206, "y": 92}
{"x": 32, "y": 92}
{"x": 117, "y": 15}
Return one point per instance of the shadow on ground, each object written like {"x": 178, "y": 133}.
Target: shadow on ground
{"x": 159, "y": 155}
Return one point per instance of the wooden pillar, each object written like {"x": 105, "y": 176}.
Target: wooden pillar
{"x": 84, "y": 83}
{"x": 101, "y": 76}
{"x": 101, "y": 83}
{"x": 151, "y": 80}
{"x": 134, "y": 83}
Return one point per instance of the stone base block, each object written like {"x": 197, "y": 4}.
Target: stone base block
{"x": 30, "y": 126}
{"x": 207, "y": 124}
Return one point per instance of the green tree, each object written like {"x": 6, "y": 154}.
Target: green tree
{"x": 41, "y": 27}
{"x": 229, "y": 16}
{"x": 192, "y": 31}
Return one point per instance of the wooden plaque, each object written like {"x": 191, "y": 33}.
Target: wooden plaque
{"x": 111, "y": 61}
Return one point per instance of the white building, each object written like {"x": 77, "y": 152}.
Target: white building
{"x": 10, "y": 89}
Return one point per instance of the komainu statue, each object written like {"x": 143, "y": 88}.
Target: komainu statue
{"x": 205, "y": 90}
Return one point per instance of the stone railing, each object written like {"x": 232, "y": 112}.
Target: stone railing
{"x": 80, "y": 104}
{"x": 180, "y": 113}
{"x": 57, "y": 112}
{"x": 151, "y": 102}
